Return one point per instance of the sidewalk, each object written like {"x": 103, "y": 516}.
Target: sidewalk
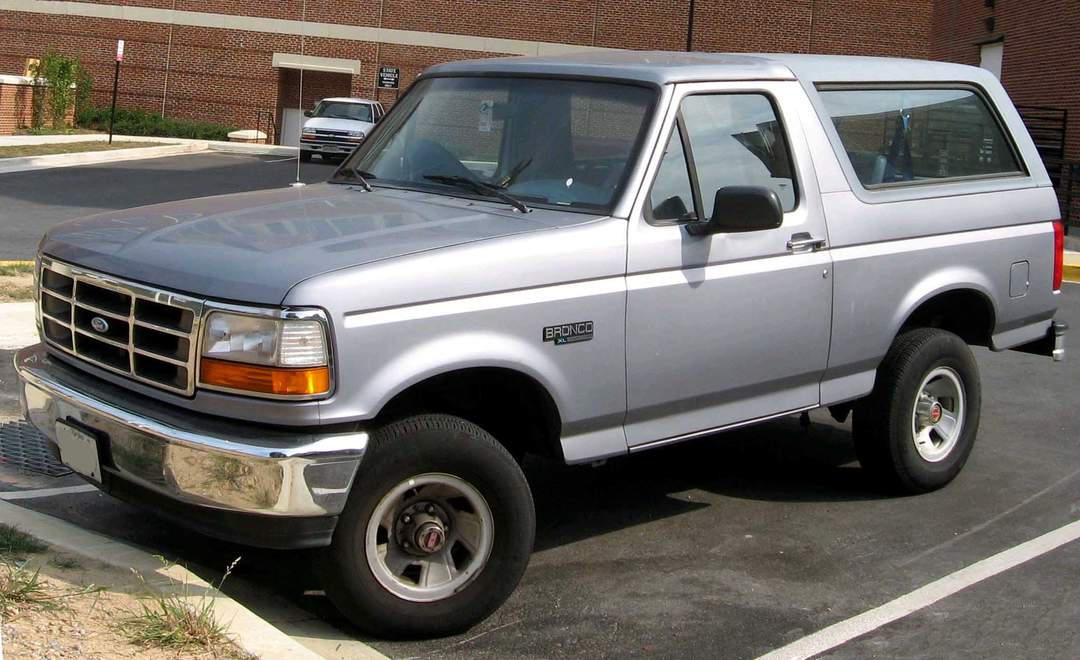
{"x": 170, "y": 147}
{"x": 17, "y": 326}
{"x": 1072, "y": 267}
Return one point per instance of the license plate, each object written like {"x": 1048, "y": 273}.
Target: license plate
{"x": 78, "y": 450}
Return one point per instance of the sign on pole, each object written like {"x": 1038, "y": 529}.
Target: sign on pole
{"x": 120, "y": 50}
{"x": 388, "y": 77}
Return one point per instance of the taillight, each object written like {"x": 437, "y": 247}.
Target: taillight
{"x": 1059, "y": 254}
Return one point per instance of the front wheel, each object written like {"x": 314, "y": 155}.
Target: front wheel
{"x": 917, "y": 428}
{"x": 305, "y": 156}
{"x": 436, "y": 533}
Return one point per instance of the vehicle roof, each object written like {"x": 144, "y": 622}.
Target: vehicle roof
{"x": 662, "y": 67}
{"x": 345, "y": 99}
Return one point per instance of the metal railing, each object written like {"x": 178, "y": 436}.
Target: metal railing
{"x": 265, "y": 123}
{"x": 1047, "y": 127}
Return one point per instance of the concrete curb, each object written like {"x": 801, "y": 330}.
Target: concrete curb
{"x": 1071, "y": 270}
{"x": 251, "y": 633}
{"x": 31, "y": 163}
{"x": 217, "y": 145}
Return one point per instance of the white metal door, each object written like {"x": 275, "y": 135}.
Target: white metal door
{"x": 291, "y": 121}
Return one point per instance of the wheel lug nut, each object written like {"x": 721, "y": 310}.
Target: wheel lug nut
{"x": 406, "y": 519}
{"x": 430, "y": 509}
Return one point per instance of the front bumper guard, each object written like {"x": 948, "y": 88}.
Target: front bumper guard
{"x": 203, "y": 461}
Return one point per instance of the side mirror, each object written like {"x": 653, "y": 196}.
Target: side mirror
{"x": 308, "y": 113}
{"x": 741, "y": 208}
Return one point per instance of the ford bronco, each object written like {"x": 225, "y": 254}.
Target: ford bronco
{"x": 580, "y": 256}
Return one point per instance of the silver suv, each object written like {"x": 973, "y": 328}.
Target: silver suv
{"x": 580, "y": 257}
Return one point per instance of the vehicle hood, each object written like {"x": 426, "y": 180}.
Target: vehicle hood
{"x": 254, "y": 247}
{"x": 332, "y": 124}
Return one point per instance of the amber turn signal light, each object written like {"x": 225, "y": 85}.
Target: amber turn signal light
{"x": 265, "y": 380}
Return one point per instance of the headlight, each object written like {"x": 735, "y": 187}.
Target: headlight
{"x": 265, "y": 355}
{"x": 356, "y": 136}
{"x": 308, "y": 131}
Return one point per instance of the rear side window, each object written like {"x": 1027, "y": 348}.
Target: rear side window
{"x": 906, "y": 136}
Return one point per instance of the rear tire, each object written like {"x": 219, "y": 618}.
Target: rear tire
{"x": 917, "y": 428}
{"x": 444, "y": 483}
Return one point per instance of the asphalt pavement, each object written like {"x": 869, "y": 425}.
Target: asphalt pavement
{"x": 31, "y": 202}
{"x": 730, "y": 546}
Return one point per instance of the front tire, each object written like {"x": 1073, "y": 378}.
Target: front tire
{"x": 437, "y": 531}
{"x": 305, "y": 156}
{"x": 917, "y": 428}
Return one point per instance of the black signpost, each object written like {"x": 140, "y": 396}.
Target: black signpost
{"x": 389, "y": 77}
{"x": 115, "y": 85}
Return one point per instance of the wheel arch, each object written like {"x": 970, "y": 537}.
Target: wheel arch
{"x": 965, "y": 308}
{"x": 511, "y": 404}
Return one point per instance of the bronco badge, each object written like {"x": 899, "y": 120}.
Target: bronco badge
{"x": 569, "y": 333}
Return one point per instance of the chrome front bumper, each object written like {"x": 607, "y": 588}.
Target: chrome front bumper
{"x": 202, "y": 461}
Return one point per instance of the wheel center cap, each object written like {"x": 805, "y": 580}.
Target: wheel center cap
{"x": 430, "y": 537}
{"x": 935, "y": 413}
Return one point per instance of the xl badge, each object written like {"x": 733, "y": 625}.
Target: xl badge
{"x": 569, "y": 333}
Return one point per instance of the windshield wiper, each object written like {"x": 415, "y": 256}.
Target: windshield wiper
{"x": 360, "y": 177}
{"x": 488, "y": 189}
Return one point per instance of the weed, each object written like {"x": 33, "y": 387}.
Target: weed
{"x": 66, "y": 562}
{"x": 16, "y": 543}
{"x": 13, "y": 268}
{"x": 21, "y": 587}
{"x": 178, "y": 621}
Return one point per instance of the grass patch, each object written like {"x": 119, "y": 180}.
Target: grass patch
{"x": 16, "y": 543}
{"x": 19, "y": 586}
{"x": 23, "y": 589}
{"x": 66, "y": 562}
{"x": 13, "y": 268}
{"x": 70, "y": 148}
{"x": 180, "y": 622}
{"x": 16, "y": 281}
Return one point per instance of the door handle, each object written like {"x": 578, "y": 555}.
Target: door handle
{"x": 804, "y": 242}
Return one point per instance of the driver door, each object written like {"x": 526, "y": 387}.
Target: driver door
{"x": 734, "y": 326}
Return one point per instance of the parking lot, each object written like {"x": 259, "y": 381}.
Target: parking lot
{"x": 723, "y": 547}
{"x": 33, "y": 201}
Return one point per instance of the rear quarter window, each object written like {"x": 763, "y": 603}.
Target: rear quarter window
{"x": 903, "y": 136}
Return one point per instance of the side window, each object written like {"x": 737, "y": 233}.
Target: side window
{"x": 672, "y": 198}
{"x": 736, "y": 140}
{"x": 897, "y": 136}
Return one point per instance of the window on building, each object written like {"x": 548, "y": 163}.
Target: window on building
{"x": 906, "y": 136}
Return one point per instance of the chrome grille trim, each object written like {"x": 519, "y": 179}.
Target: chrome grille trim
{"x": 92, "y": 282}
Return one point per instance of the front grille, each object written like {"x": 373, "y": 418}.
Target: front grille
{"x": 146, "y": 334}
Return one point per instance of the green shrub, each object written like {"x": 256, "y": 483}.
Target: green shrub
{"x": 141, "y": 122}
{"x": 58, "y": 77}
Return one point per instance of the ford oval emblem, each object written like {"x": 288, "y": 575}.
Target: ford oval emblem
{"x": 99, "y": 325}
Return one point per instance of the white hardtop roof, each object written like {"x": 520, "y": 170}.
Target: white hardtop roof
{"x": 344, "y": 99}
{"x": 662, "y": 67}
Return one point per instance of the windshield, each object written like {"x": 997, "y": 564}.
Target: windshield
{"x": 343, "y": 110}
{"x": 559, "y": 143}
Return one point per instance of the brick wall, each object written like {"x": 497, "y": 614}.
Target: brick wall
{"x": 225, "y": 75}
{"x": 1040, "y": 64}
{"x": 15, "y": 106}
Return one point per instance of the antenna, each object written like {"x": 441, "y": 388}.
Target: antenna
{"x": 300, "y": 102}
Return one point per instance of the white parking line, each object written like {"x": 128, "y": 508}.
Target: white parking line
{"x": 45, "y": 492}
{"x": 844, "y": 631}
